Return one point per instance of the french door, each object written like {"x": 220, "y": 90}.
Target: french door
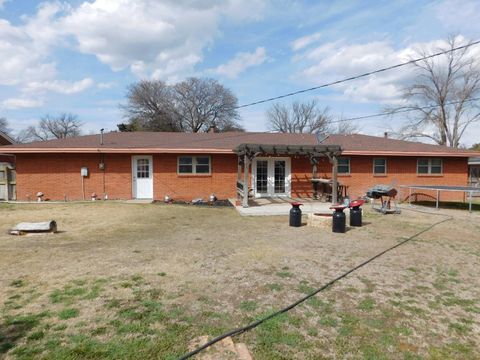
{"x": 271, "y": 177}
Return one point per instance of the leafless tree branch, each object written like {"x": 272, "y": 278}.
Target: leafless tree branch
{"x": 448, "y": 87}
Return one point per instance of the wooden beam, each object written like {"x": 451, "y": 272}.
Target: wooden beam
{"x": 246, "y": 163}
{"x": 239, "y": 168}
{"x": 334, "y": 161}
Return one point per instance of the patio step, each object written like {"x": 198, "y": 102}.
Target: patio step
{"x": 223, "y": 350}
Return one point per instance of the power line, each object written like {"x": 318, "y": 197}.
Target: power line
{"x": 358, "y": 76}
{"x": 401, "y": 111}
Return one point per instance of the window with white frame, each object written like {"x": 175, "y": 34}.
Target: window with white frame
{"x": 343, "y": 166}
{"x": 379, "y": 166}
{"x": 429, "y": 166}
{"x": 194, "y": 165}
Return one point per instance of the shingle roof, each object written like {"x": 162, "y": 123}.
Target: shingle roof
{"x": 357, "y": 144}
{"x": 5, "y": 139}
{"x": 164, "y": 142}
{"x": 145, "y": 142}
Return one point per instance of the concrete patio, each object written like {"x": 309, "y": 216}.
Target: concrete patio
{"x": 281, "y": 206}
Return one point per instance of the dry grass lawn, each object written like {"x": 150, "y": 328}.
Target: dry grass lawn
{"x": 140, "y": 281}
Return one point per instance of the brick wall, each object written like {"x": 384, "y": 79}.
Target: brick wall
{"x": 400, "y": 170}
{"x": 57, "y": 175}
{"x": 222, "y": 181}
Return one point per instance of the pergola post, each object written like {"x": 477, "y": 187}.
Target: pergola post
{"x": 239, "y": 168}
{"x": 314, "y": 162}
{"x": 334, "y": 179}
{"x": 246, "y": 163}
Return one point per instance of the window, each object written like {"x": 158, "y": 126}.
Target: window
{"x": 143, "y": 168}
{"x": 194, "y": 165}
{"x": 379, "y": 166}
{"x": 429, "y": 166}
{"x": 343, "y": 166}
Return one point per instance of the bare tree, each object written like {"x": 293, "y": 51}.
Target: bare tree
{"x": 4, "y": 126}
{"x": 306, "y": 117}
{"x": 55, "y": 127}
{"x": 345, "y": 127}
{"x": 149, "y": 107}
{"x": 443, "y": 98}
{"x": 202, "y": 103}
{"x": 193, "y": 105}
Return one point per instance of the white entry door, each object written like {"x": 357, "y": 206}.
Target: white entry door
{"x": 142, "y": 177}
{"x": 271, "y": 177}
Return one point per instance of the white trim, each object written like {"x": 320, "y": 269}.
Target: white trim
{"x": 271, "y": 174}
{"x": 134, "y": 176}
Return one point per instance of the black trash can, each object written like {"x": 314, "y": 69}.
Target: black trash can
{"x": 296, "y": 215}
{"x": 338, "y": 219}
{"x": 356, "y": 216}
{"x": 356, "y": 212}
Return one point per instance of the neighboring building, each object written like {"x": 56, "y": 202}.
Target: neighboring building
{"x": 7, "y": 172}
{"x": 474, "y": 171}
{"x": 187, "y": 166}
{"x": 5, "y": 140}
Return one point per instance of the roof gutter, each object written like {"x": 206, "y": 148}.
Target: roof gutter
{"x": 407, "y": 153}
{"x": 19, "y": 150}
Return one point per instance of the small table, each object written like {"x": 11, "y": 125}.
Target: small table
{"x": 341, "y": 189}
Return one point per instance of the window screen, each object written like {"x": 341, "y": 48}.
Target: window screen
{"x": 343, "y": 166}
{"x": 379, "y": 166}
{"x": 202, "y": 165}
{"x": 143, "y": 168}
{"x": 429, "y": 166}
{"x": 194, "y": 165}
{"x": 185, "y": 165}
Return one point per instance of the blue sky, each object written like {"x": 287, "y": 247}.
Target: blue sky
{"x": 79, "y": 56}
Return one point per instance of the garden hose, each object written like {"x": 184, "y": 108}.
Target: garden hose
{"x": 253, "y": 325}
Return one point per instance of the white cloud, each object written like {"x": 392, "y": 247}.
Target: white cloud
{"x": 338, "y": 60}
{"x": 26, "y": 49}
{"x": 21, "y": 103}
{"x": 106, "y": 85}
{"x": 60, "y": 86}
{"x": 241, "y": 62}
{"x": 161, "y": 39}
{"x": 304, "y": 41}
{"x": 457, "y": 14}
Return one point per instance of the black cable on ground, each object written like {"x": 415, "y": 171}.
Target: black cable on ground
{"x": 253, "y": 325}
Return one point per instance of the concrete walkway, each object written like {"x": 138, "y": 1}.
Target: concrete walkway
{"x": 283, "y": 208}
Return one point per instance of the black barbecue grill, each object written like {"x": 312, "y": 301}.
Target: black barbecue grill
{"x": 386, "y": 194}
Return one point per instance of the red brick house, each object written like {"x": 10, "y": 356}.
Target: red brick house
{"x": 187, "y": 166}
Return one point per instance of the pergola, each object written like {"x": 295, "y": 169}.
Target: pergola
{"x": 247, "y": 152}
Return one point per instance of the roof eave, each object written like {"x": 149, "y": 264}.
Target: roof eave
{"x": 406, "y": 153}
{"x": 115, "y": 151}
